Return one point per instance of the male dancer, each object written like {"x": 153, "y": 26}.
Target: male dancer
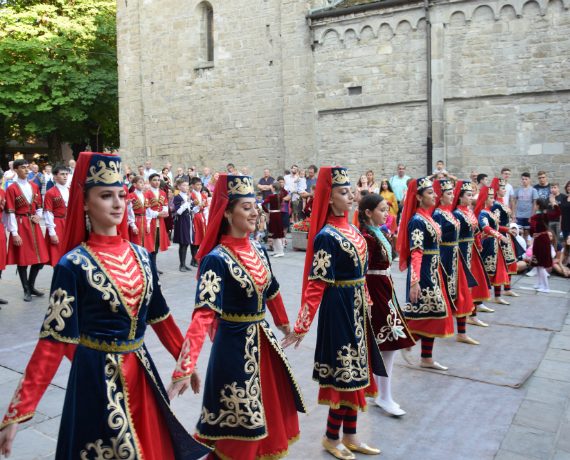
{"x": 156, "y": 204}
{"x": 55, "y": 213}
{"x": 26, "y": 246}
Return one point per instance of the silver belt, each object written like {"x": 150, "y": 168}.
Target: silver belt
{"x": 379, "y": 272}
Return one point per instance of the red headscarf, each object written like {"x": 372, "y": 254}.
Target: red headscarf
{"x": 319, "y": 216}
{"x": 410, "y": 206}
{"x": 220, "y": 200}
{"x": 456, "y": 193}
{"x": 483, "y": 195}
{"x": 495, "y": 184}
{"x": 76, "y": 231}
{"x": 438, "y": 193}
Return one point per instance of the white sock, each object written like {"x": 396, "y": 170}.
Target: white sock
{"x": 278, "y": 246}
{"x": 385, "y": 383}
{"x": 543, "y": 279}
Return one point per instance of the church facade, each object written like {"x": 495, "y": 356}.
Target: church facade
{"x": 367, "y": 84}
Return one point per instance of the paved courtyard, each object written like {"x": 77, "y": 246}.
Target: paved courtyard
{"x": 506, "y": 399}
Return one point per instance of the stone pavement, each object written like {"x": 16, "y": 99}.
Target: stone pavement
{"x": 505, "y": 399}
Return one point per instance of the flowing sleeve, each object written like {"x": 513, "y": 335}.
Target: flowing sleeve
{"x": 485, "y": 226}
{"x": 313, "y": 295}
{"x": 59, "y": 335}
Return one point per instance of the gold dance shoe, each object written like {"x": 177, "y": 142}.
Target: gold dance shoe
{"x": 467, "y": 340}
{"x": 339, "y": 451}
{"x": 474, "y": 321}
{"x": 362, "y": 448}
{"x": 511, "y": 294}
{"x": 435, "y": 365}
{"x": 484, "y": 309}
{"x": 500, "y": 301}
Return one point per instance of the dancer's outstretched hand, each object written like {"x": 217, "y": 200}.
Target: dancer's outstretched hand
{"x": 285, "y": 328}
{"x": 291, "y": 339}
{"x": 195, "y": 382}
{"x": 7, "y": 436}
{"x": 178, "y": 388}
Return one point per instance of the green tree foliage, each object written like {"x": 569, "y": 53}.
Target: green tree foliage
{"x": 58, "y": 70}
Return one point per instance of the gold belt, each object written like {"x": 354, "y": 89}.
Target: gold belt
{"x": 431, "y": 252}
{"x": 448, "y": 244}
{"x": 466, "y": 240}
{"x": 243, "y": 318}
{"x": 116, "y": 346}
{"x": 349, "y": 283}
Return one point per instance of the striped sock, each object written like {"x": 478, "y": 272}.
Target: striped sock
{"x": 476, "y": 304}
{"x": 497, "y": 291}
{"x": 461, "y": 325}
{"x": 334, "y": 422}
{"x": 508, "y": 286}
{"x": 349, "y": 421}
{"x": 427, "y": 347}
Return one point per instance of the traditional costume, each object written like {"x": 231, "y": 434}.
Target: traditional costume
{"x": 183, "y": 231}
{"x": 104, "y": 293}
{"x": 157, "y": 236}
{"x": 251, "y": 398}
{"x": 492, "y": 256}
{"x": 23, "y": 201}
{"x": 346, "y": 354}
{"x": 541, "y": 249}
{"x": 272, "y": 205}
{"x": 55, "y": 214}
{"x": 2, "y": 236}
{"x": 388, "y": 324}
{"x": 136, "y": 212}
{"x": 456, "y": 271}
{"x": 418, "y": 246}
{"x": 199, "y": 221}
{"x": 503, "y": 213}
{"x": 479, "y": 283}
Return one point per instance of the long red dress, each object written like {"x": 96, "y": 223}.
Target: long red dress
{"x": 55, "y": 203}
{"x": 158, "y": 239}
{"x": 33, "y": 250}
{"x": 218, "y": 301}
{"x": 136, "y": 202}
{"x": 200, "y": 203}
{"x": 272, "y": 205}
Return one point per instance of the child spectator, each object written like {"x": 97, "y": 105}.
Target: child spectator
{"x": 541, "y": 247}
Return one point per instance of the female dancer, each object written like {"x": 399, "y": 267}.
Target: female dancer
{"x": 115, "y": 405}
{"x": 541, "y": 246}
{"x": 346, "y": 356}
{"x": 388, "y": 323}
{"x": 183, "y": 223}
{"x": 428, "y": 307}
{"x": 503, "y": 212}
{"x": 251, "y": 398}
{"x": 493, "y": 259}
{"x": 479, "y": 284}
{"x": 455, "y": 269}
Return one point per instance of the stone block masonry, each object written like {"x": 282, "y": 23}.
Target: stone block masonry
{"x": 348, "y": 88}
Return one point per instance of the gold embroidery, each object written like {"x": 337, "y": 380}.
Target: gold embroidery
{"x": 184, "y": 363}
{"x": 122, "y": 446}
{"x": 417, "y": 238}
{"x": 96, "y": 279}
{"x": 239, "y": 274}
{"x": 104, "y": 173}
{"x": 353, "y": 362}
{"x": 321, "y": 262}
{"x": 303, "y": 322}
{"x": 240, "y": 186}
{"x": 115, "y": 346}
{"x": 340, "y": 177}
{"x": 424, "y": 182}
{"x": 59, "y": 308}
{"x": 345, "y": 244}
{"x": 241, "y": 407}
{"x": 490, "y": 264}
{"x": 431, "y": 301}
{"x": 16, "y": 399}
{"x": 209, "y": 287}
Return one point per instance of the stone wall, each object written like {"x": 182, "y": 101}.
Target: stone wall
{"x": 500, "y": 90}
{"x": 347, "y": 89}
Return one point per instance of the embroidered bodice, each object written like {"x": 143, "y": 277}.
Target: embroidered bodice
{"x": 249, "y": 257}
{"x": 118, "y": 259}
